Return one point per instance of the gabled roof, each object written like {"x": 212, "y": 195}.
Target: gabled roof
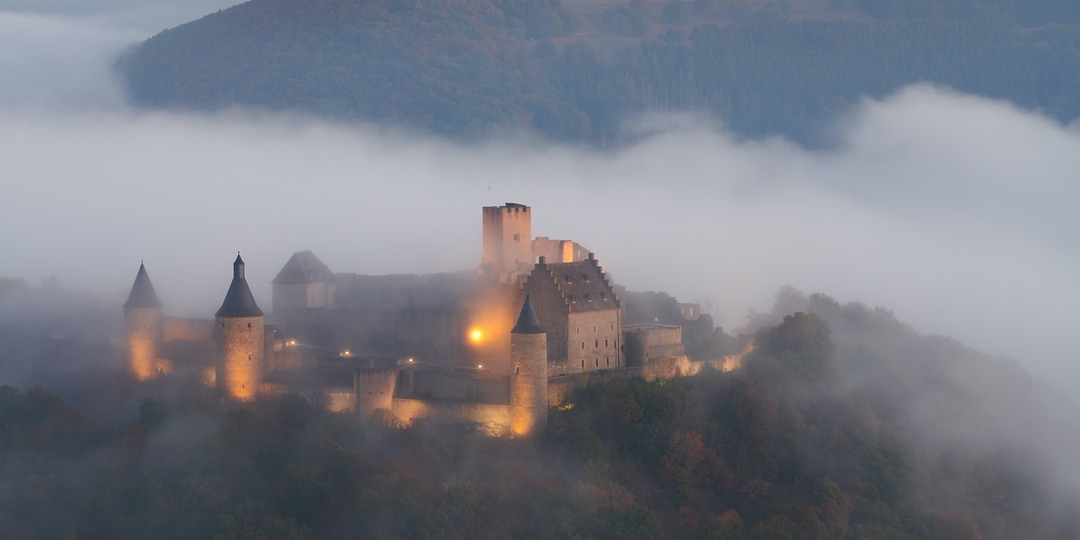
{"x": 528, "y": 322}
{"x": 583, "y": 285}
{"x": 142, "y": 292}
{"x": 239, "y": 302}
{"x": 303, "y": 268}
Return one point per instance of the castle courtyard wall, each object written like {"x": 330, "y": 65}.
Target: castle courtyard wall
{"x": 408, "y": 411}
{"x": 560, "y": 387}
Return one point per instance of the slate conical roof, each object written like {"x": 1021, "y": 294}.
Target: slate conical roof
{"x": 239, "y": 301}
{"x": 528, "y": 322}
{"x": 142, "y": 292}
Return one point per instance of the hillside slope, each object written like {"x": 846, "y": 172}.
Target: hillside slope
{"x": 844, "y": 423}
{"x": 453, "y": 67}
{"x": 575, "y": 71}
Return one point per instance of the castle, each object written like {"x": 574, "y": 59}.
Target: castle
{"x": 492, "y": 347}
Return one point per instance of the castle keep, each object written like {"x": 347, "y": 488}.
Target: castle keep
{"x": 492, "y": 347}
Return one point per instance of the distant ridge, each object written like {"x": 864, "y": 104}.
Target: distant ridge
{"x": 575, "y": 71}
{"x": 450, "y": 67}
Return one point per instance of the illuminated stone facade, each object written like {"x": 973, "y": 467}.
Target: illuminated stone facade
{"x": 451, "y": 351}
{"x": 578, "y": 306}
{"x": 143, "y": 331}
{"x": 228, "y": 352}
{"x": 240, "y": 336}
{"x": 240, "y": 341}
{"x": 142, "y": 325}
{"x": 529, "y": 374}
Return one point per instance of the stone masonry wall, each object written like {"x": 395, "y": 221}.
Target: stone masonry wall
{"x": 183, "y": 328}
{"x": 593, "y": 340}
{"x": 241, "y": 342}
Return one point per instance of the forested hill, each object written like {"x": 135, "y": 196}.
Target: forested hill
{"x": 575, "y": 70}
{"x": 842, "y": 424}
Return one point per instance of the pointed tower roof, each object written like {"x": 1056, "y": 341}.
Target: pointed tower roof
{"x": 528, "y": 322}
{"x": 142, "y": 292}
{"x": 239, "y": 302}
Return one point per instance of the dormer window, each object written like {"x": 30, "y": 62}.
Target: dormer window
{"x": 567, "y": 278}
{"x": 572, "y": 299}
{"x": 588, "y": 297}
{"x": 585, "y": 277}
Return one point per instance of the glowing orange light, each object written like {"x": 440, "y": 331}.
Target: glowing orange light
{"x": 476, "y": 335}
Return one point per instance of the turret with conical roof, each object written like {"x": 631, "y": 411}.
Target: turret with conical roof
{"x": 239, "y": 330}
{"x": 239, "y": 302}
{"x": 142, "y": 327}
{"x": 142, "y": 291}
{"x": 528, "y": 375}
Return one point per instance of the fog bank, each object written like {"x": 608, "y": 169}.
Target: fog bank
{"x": 957, "y": 212}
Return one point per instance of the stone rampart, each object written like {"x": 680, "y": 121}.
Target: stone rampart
{"x": 186, "y": 329}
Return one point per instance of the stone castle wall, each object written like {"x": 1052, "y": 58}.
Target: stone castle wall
{"x": 453, "y": 385}
{"x": 303, "y": 295}
{"x": 558, "y": 251}
{"x": 186, "y": 329}
{"x": 559, "y": 388}
{"x": 552, "y": 312}
{"x": 495, "y": 416}
{"x": 593, "y": 341}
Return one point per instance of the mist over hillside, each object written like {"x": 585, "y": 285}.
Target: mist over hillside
{"x": 842, "y": 423}
{"x": 579, "y": 71}
{"x": 955, "y": 211}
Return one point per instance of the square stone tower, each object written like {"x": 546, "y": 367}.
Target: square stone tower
{"x": 507, "y": 241}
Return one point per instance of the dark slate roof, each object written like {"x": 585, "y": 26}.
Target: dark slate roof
{"x": 142, "y": 292}
{"x": 239, "y": 302}
{"x": 303, "y": 268}
{"x": 528, "y": 322}
{"x": 583, "y": 284}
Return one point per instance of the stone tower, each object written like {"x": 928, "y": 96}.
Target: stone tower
{"x": 373, "y": 386}
{"x": 528, "y": 375}
{"x": 142, "y": 325}
{"x": 507, "y": 240}
{"x": 238, "y": 330}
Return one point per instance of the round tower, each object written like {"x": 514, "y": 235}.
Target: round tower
{"x": 142, "y": 326}
{"x": 528, "y": 374}
{"x": 239, "y": 329}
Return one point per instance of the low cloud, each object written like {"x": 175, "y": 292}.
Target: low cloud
{"x": 957, "y": 212}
